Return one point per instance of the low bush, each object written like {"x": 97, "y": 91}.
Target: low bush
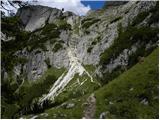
{"x": 89, "y": 49}
{"x": 88, "y": 23}
{"x": 140, "y": 17}
{"x": 116, "y": 19}
{"x": 57, "y": 47}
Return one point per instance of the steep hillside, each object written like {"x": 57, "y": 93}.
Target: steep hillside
{"x": 134, "y": 94}
{"x": 56, "y": 62}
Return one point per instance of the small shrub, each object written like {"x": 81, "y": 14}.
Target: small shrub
{"x": 63, "y": 25}
{"x": 140, "y": 17}
{"x": 87, "y": 24}
{"x": 57, "y": 47}
{"x": 47, "y": 61}
{"x": 155, "y": 14}
{"x": 116, "y": 19}
{"x": 89, "y": 49}
{"x": 109, "y": 76}
{"x": 94, "y": 43}
{"x": 48, "y": 28}
{"x": 97, "y": 39}
{"x": 85, "y": 20}
{"x": 22, "y": 60}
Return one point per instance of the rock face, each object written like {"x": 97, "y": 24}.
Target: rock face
{"x": 35, "y": 17}
{"x": 89, "y": 36}
{"x": 115, "y": 3}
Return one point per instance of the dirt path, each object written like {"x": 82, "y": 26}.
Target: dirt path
{"x": 90, "y": 107}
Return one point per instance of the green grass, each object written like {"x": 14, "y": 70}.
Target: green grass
{"x": 125, "y": 92}
{"x": 128, "y": 90}
{"x": 90, "y": 68}
{"x": 77, "y": 91}
{"x": 26, "y": 96}
{"x": 63, "y": 113}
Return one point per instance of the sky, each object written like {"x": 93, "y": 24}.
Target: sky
{"x": 77, "y": 6}
{"x": 94, "y": 5}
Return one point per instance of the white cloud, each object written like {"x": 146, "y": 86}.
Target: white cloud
{"x": 69, "y": 5}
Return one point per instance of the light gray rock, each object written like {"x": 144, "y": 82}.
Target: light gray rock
{"x": 70, "y": 105}
{"x": 144, "y": 101}
{"x": 35, "y": 17}
{"x": 103, "y": 115}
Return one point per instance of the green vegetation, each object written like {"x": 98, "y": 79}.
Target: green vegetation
{"x": 89, "y": 49}
{"x": 65, "y": 113}
{"x": 57, "y": 46}
{"x": 153, "y": 18}
{"x": 140, "y": 17}
{"x": 90, "y": 68}
{"x": 48, "y": 28}
{"x": 74, "y": 90}
{"x": 124, "y": 96}
{"x": 9, "y": 60}
{"x": 50, "y": 31}
{"x": 140, "y": 52}
{"x": 96, "y": 40}
{"x": 47, "y": 61}
{"x": 134, "y": 94}
{"x": 116, "y": 19}
{"x": 26, "y": 96}
{"x": 63, "y": 25}
{"x": 109, "y": 76}
{"x": 155, "y": 14}
{"x": 10, "y": 25}
{"x": 88, "y": 22}
{"x": 126, "y": 39}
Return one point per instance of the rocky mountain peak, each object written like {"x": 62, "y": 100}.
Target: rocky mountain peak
{"x": 36, "y": 16}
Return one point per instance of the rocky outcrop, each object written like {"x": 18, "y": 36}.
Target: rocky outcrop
{"x": 35, "y": 17}
{"x": 89, "y": 35}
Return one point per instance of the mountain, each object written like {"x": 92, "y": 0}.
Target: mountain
{"x": 56, "y": 64}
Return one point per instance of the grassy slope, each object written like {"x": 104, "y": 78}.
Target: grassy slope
{"x": 124, "y": 94}
{"x": 122, "y": 97}
{"x": 27, "y": 93}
